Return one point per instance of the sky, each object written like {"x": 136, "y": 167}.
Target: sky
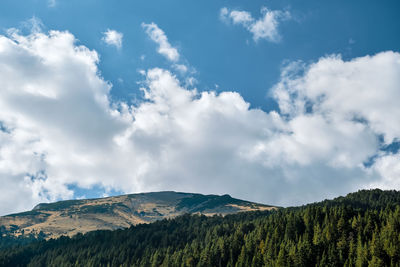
{"x": 280, "y": 102}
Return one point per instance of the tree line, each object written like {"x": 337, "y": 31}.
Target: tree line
{"x": 361, "y": 229}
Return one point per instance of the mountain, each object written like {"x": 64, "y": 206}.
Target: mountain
{"x": 51, "y": 220}
{"x": 360, "y": 229}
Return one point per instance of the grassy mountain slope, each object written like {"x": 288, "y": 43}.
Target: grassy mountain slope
{"x": 51, "y": 220}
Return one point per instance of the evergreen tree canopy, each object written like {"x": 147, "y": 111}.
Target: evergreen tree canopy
{"x": 361, "y": 229}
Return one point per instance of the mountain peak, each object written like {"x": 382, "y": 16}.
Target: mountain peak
{"x": 70, "y": 217}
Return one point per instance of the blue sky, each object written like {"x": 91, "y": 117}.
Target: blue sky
{"x": 293, "y": 78}
{"x": 221, "y": 54}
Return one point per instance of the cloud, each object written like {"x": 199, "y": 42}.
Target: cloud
{"x": 54, "y": 106}
{"x": 112, "y": 37}
{"x": 265, "y": 27}
{"x": 179, "y": 64}
{"x": 60, "y": 127}
{"x": 237, "y": 17}
{"x": 357, "y": 96}
{"x": 34, "y": 25}
{"x": 51, "y": 3}
{"x": 181, "y": 68}
{"x": 362, "y": 91}
{"x": 158, "y": 36}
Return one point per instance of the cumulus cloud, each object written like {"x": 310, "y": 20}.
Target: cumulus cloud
{"x": 158, "y": 36}
{"x": 363, "y": 90}
{"x": 112, "y": 37}
{"x": 59, "y": 127}
{"x": 358, "y": 96}
{"x": 55, "y": 107}
{"x": 265, "y": 27}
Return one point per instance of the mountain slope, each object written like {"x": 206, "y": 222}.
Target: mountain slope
{"x": 80, "y": 216}
{"x": 361, "y": 229}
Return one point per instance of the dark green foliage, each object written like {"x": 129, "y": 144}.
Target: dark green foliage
{"x": 59, "y": 205}
{"x": 202, "y": 202}
{"x": 7, "y": 241}
{"x": 361, "y": 229}
{"x": 375, "y": 198}
{"x": 103, "y": 208}
{"x": 26, "y": 213}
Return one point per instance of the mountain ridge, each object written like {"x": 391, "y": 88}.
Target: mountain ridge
{"x": 70, "y": 217}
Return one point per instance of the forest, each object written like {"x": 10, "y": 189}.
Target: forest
{"x": 360, "y": 229}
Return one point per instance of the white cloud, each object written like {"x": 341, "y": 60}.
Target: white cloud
{"x": 265, "y": 27}
{"x": 387, "y": 166}
{"x": 363, "y": 89}
{"x": 59, "y": 127}
{"x": 112, "y": 37}
{"x": 223, "y": 14}
{"x": 56, "y": 107}
{"x": 158, "y": 36}
{"x": 181, "y": 68}
{"x": 357, "y": 98}
{"x": 241, "y": 17}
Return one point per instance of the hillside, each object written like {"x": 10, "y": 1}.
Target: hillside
{"x": 328, "y": 233}
{"x": 51, "y": 220}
